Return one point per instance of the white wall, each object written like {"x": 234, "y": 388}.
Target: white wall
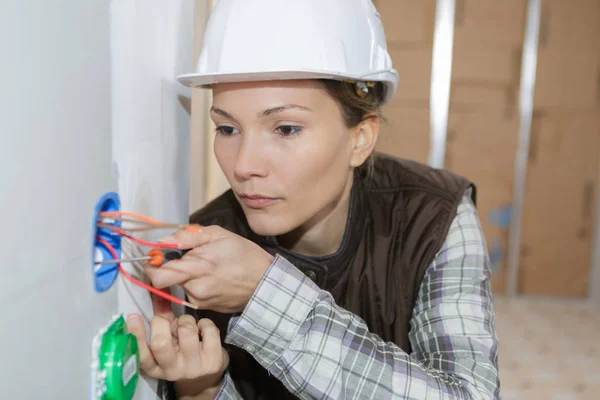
{"x": 82, "y": 83}
{"x": 151, "y": 43}
{"x": 55, "y": 159}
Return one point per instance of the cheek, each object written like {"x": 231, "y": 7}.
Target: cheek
{"x": 315, "y": 171}
{"x": 225, "y": 150}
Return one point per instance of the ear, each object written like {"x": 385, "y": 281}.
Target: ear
{"x": 364, "y": 139}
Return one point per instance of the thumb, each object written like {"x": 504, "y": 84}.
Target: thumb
{"x": 135, "y": 325}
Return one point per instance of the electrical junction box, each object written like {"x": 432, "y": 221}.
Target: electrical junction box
{"x": 104, "y": 275}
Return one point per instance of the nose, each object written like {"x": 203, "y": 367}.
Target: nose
{"x": 251, "y": 161}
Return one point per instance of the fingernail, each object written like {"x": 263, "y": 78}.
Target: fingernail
{"x": 194, "y": 228}
{"x": 132, "y": 320}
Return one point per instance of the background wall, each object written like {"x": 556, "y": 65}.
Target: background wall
{"x": 55, "y": 157}
{"x": 556, "y": 250}
{"x": 205, "y": 168}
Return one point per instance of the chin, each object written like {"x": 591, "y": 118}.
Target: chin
{"x": 268, "y": 225}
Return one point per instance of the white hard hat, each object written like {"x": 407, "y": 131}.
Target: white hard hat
{"x": 258, "y": 40}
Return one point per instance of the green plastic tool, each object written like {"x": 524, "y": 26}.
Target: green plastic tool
{"x": 116, "y": 362}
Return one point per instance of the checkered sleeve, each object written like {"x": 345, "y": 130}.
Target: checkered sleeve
{"x": 452, "y": 326}
{"x": 226, "y": 392}
{"x": 321, "y": 351}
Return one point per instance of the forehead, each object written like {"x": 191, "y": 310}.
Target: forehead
{"x": 269, "y": 91}
{"x": 249, "y": 100}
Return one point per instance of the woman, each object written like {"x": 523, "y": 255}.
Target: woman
{"x": 329, "y": 272}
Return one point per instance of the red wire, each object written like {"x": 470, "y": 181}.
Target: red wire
{"x": 150, "y": 244}
{"x": 144, "y": 242}
{"x": 154, "y": 290}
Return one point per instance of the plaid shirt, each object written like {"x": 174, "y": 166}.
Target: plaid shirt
{"x": 321, "y": 351}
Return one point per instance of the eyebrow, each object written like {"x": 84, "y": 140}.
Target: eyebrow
{"x": 221, "y": 112}
{"x": 285, "y": 107}
{"x": 263, "y": 113}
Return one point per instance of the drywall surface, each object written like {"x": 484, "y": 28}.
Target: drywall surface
{"x": 201, "y": 150}
{"x": 55, "y": 157}
{"x": 151, "y": 43}
{"x": 595, "y": 265}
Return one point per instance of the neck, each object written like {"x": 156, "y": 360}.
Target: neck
{"x": 322, "y": 235}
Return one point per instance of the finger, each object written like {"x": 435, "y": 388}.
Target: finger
{"x": 164, "y": 308}
{"x": 189, "y": 342}
{"x": 148, "y": 364}
{"x": 201, "y": 291}
{"x": 158, "y": 274}
{"x": 211, "y": 337}
{"x": 161, "y": 342}
{"x": 187, "y": 239}
{"x": 177, "y": 272}
{"x": 215, "y": 358}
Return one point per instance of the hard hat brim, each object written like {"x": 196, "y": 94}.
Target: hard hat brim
{"x": 388, "y": 77}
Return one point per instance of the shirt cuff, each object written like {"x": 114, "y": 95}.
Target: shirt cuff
{"x": 228, "y": 390}
{"x": 274, "y": 314}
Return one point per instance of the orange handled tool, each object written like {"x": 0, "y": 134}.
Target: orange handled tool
{"x": 155, "y": 257}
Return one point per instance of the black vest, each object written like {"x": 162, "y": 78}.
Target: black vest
{"x": 398, "y": 220}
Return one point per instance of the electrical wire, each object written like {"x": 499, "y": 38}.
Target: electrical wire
{"x": 140, "y": 225}
{"x": 141, "y": 222}
{"x": 122, "y": 233}
{"x": 108, "y": 220}
{"x": 136, "y": 282}
{"x": 150, "y": 228}
{"x": 120, "y": 214}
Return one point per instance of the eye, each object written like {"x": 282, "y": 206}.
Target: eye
{"x": 288, "y": 130}
{"x": 226, "y": 130}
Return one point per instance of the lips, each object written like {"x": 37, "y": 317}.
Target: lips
{"x": 257, "y": 201}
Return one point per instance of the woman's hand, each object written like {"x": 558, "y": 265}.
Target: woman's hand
{"x": 220, "y": 272}
{"x": 177, "y": 354}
